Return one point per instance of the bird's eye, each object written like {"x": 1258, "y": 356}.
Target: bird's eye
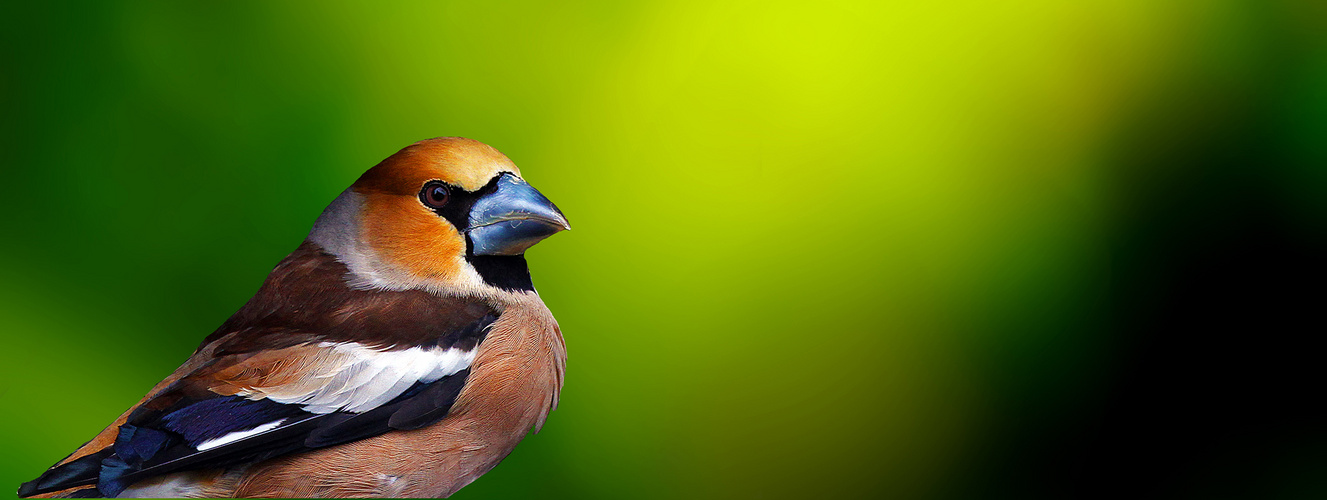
{"x": 434, "y": 194}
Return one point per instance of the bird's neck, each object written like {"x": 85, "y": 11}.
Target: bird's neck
{"x": 508, "y": 272}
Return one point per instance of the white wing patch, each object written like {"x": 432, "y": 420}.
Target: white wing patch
{"x": 365, "y": 377}
{"x": 238, "y": 435}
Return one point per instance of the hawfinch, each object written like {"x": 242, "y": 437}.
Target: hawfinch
{"x": 400, "y": 351}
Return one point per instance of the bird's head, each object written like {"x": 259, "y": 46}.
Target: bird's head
{"x": 450, "y": 215}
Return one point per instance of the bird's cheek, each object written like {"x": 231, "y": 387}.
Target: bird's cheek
{"x": 412, "y": 239}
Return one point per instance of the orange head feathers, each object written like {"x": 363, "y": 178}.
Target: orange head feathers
{"x": 460, "y": 162}
{"x": 450, "y": 215}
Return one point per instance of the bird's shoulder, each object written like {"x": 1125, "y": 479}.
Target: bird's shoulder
{"x": 308, "y": 297}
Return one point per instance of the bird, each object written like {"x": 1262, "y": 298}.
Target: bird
{"x": 400, "y": 350}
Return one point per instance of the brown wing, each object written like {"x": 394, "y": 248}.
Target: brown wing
{"x": 305, "y": 346}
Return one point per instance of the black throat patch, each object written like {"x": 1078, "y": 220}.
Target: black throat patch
{"x": 508, "y": 272}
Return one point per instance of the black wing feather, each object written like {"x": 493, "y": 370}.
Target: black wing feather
{"x": 81, "y": 472}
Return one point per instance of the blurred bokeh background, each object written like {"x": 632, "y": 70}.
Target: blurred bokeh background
{"x": 837, "y": 249}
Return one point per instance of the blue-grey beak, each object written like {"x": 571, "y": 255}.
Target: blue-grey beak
{"x": 512, "y": 218}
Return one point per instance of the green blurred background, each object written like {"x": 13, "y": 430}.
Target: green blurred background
{"x": 837, "y": 249}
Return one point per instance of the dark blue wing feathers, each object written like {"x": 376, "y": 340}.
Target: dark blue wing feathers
{"x": 213, "y": 418}
{"x": 163, "y": 441}
{"x": 154, "y": 438}
{"x": 172, "y": 445}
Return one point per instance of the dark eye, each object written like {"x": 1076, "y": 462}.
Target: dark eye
{"x": 434, "y": 194}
